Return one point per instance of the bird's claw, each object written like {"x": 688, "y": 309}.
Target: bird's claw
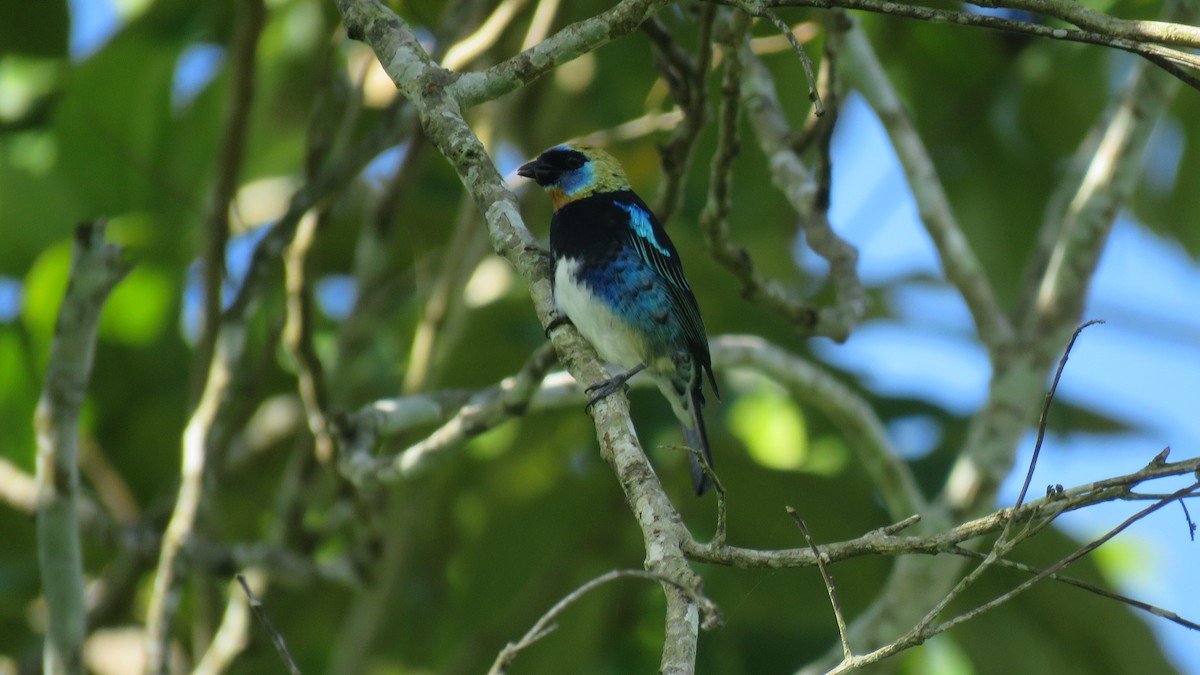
{"x": 557, "y": 320}
{"x": 608, "y": 387}
{"x": 602, "y": 390}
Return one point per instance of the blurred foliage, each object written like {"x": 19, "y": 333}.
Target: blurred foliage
{"x": 468, "y": 556}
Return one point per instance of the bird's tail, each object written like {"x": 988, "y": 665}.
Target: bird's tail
{"x": 697, "y": 437}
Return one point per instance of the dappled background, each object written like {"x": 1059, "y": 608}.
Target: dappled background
{"x": 118, "y": 108}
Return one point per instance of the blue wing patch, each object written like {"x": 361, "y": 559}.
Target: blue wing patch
{"x": 639, "y": 220}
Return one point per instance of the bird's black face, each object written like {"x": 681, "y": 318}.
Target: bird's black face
{"x": 557, "y": 166}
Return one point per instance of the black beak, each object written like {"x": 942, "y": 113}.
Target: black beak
{"x": 538, "y": 171}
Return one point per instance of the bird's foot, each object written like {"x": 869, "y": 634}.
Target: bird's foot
{"x": 557, "y": 320}
{"x": 607, "y": 387}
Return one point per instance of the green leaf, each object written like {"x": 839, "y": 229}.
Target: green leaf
{"x": 771, "y": 426}
{"x": 137, "y": 310}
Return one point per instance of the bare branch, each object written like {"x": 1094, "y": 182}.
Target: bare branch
{"x": 1160, "y": 32}
{"x": 565, "y": 45}
{"x": 544, "y": 626}
{"x": 885, "y": 542}
{"x": 475, "y": 415}
{"x": 230, "y": 154}
{"x": 298, "y": 336}
{"x": 1174, "y": 61}
{"x": 962, "y": 267}
{"x": 1070, "y": 581}
{"x": 796, "y": 182}
{"x": 1076, "y": 555}
{"x": 1041, "y": 429}
{"x": 757, "y": 8}
{"x": 847, "y": 653}
{"x": 96, "y": 268}
{"x": 1104, "y": 173}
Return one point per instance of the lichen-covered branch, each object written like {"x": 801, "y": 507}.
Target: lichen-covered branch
{"x": 1181, "y": 64}
{"x": 1112, "y": 156}
{"x": 427, "y": 86}
{"x": 797, "y": 183}
{"x": 472, "y": 416}
{"x": 96, "y": 268}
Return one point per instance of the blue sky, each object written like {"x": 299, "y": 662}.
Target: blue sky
{"x": 1141, "y": 368}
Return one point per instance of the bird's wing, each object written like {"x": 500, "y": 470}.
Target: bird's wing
{"x": 647, "y": 237}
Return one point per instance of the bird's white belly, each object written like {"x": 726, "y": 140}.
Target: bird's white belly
{"x": 611, "y": 336}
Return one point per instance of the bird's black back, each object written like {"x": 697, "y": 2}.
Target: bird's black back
{"x": 595, "y": 229}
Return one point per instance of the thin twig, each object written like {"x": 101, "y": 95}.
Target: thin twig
{"x": 687, "y": 79}
{"x": 231, "y": 151}
{"x": 847, "y": 653}
{"x": 276, "y": 638}
{"x": 1041, "y": 432}
{"x": 881, "y": 543}
{"x": 757, "y": 8}
{"x": 922, "y": 632}
{"x": 1188, "y": 517}
{"x": 1078, "y": 583}
{"x": 544, "y": 625}
{"x": 1173, "y": 61}
{"x": 1076, "y": 555}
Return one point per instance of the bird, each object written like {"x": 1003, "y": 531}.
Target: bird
{"x": 618, "y": 278}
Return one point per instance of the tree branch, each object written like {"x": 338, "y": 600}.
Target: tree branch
{"x": 96, "y": 268}
{"x": 885, "y": 541}
{"x": 230, "y": 154}
{"x": 796, "y": 183}
{"x": 1178, "y": 63}
{"x": 544, "y": 625}
{"x": 475, "y": 414}
{"x": 891, "y": 477}
{"x": 962, "y": 267}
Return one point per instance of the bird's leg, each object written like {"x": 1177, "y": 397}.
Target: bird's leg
{"x": 557, "y": 319}
{"x": 602, "y": 389}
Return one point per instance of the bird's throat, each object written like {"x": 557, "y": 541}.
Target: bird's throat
{"x": 559, "y": 198}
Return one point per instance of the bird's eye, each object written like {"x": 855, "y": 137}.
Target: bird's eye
{"x": 573, "y": 162}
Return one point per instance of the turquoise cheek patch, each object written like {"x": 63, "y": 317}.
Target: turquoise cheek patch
{"x": 577, "y": 180}
{"x": 640, "y": 221}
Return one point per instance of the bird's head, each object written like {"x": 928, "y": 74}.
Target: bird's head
{"x": 572, "y": 172}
